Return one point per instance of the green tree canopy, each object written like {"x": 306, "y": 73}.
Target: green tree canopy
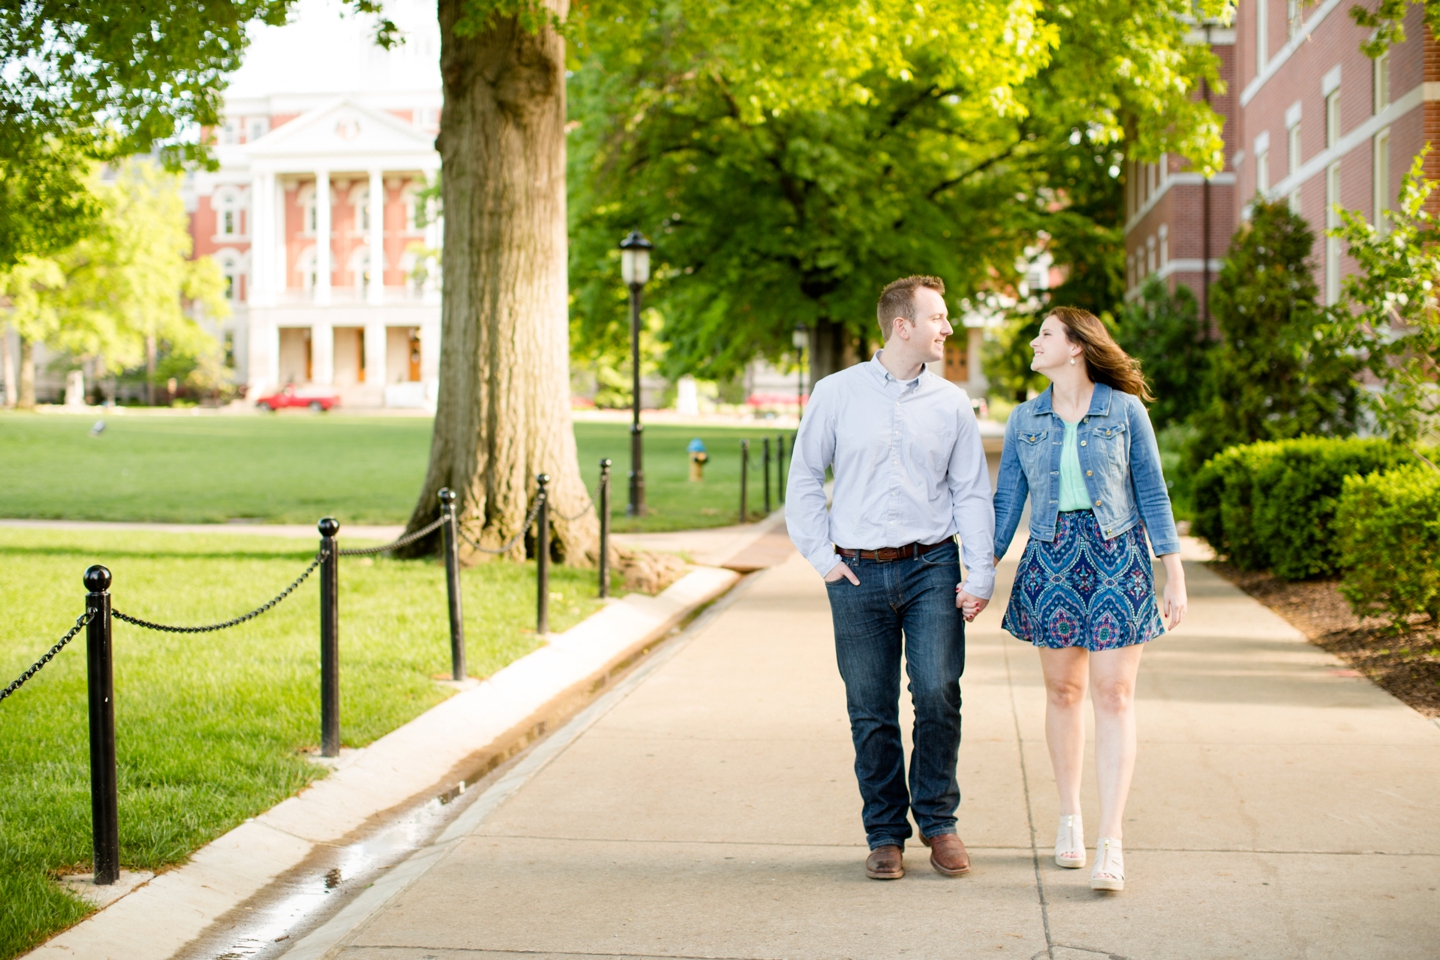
{"x": 1276, "y": 372}
{"x": 1163, "y": 331}
{"x": 952, "y": 155}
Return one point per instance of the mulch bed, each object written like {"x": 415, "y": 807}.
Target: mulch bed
{"x": 1405, "y": 664}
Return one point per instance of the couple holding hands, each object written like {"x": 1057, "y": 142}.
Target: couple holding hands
{"x": 910, "y": 474}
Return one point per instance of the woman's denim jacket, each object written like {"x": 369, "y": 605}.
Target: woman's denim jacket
{"x": 1118, "y": 455}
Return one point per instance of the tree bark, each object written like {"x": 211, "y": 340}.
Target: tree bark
{"x": 26, "y": 400}
{"x": 7, "y": 362}
{"x": 503, "y": 411}
{"x": 833, "y": 349}
{"x": 150, "y": 364}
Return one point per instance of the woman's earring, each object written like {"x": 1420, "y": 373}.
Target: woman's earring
{"x": 1072, "y": 361}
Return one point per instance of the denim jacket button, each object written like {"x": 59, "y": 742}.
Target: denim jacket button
{"x": 1089, "y": 473}
{"x": 1097, "y": 503}
{"x": 1082, "y": 443}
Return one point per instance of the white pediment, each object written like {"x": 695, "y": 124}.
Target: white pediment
{"x": 340, "y": 130}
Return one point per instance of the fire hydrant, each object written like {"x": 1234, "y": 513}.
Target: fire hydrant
{"x": 698, "y": 457}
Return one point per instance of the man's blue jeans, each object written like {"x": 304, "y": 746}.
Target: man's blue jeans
{"x": 912, "y": 599}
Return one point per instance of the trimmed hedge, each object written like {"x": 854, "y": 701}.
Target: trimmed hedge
{"x": 1272, "y": 504}
{"x": 1388, "y": 531}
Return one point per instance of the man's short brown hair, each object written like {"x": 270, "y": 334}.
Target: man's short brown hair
{"x": 898, "y": 300}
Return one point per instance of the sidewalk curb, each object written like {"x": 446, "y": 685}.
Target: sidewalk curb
{"x": 496, "y": 717}
{"x": 353, "y": 917}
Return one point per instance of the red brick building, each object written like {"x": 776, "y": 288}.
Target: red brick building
{"x": 327, "y": 141}
{"x": 1308, "y": 117}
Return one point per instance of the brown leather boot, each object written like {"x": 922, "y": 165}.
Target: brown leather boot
{"x": 884, "y": 863}
{"x": 947, "y": 854}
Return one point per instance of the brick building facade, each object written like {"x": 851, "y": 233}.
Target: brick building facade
{"x": 1308, "y": 117}
{"x": 327, "y": 135}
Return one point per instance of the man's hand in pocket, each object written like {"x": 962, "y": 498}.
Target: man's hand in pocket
{"x": 841, "y": 570}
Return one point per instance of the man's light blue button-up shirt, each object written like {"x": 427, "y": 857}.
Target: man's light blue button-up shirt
{"x": 909, "y": 467}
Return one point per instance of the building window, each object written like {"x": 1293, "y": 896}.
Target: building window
{"x": 230, "y": 132}
{"x": 1262, "y": 171}
{"x": 1382, "y": 181}
{"x": 1149, "y": 254}
{"x": 1332, "y": 244}
{"x": 1294, "y": 149}
{"x": 258, "y": 127}
{"x": 305, "y": 266}
{"x": 1332, "y": 119}
{"x": 1164, "y": 245}
{"x": 308, "y": 214}
{"x": 1294, "y": 18}
{"x": 227, "y": 212}
{"x": 411, "y": 201}
{"x": 1382, "y": 81}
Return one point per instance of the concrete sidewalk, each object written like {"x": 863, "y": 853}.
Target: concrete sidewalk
{"x": 1282, "y": 807}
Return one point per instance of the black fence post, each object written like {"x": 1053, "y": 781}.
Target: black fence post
{"x": 542, "y": 558}
{"x": 604, "y": 511}
{"x": 451, "y": 541}
{"x": 780, "y": 465}
{"x": 329, "y": 639}
{"x": 767, "y": 477}
{"x": 104, "y": 802}
{"x": 744, "y": 477}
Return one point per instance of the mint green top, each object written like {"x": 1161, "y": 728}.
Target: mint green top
{"x": 1073, "y": 495}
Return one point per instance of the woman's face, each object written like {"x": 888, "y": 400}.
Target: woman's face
{"x": 1053, "y": 348}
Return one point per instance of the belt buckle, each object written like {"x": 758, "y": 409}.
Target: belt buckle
{"x": 887, "y": 554}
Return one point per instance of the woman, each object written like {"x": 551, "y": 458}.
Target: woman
{"x": 1084, "y": 593}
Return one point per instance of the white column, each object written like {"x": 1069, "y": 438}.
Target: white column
{"x": 263, "y": 345}
{"x": 375, "y": 353}
{"x": 322, "y": 238}
{"x": 376, "y": 293}
{"x": 279, "y": 276}
{"x": 262, "y": 239}
{"x": 322, "y": 352}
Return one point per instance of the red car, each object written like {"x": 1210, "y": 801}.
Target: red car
{"x": 290, "y": 397}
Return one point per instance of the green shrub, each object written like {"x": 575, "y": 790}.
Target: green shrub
{"x": 1223, "y": 493}
{"x": 1295, "y": 494}
{"x": 1271, "y": 505}
{"x": 1388, "y": 528}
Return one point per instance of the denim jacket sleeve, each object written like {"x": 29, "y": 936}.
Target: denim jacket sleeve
{"x": 1147, "y": 481}
{"x": 1011, "y": 488}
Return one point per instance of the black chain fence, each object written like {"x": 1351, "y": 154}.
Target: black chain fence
{"x": 509, "y": 544}
{"x": 404, "y": 541}
{"x": 210, "y": 628}
{"x": 80, "y": 623}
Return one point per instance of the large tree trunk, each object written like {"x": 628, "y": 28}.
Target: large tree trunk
{"x": 833, "y": 348}
{"x": 7, "y": 366}
{"x": 150, "y": 364}
{"x": 504, "y": 406}
{"x": 26, "y": 400}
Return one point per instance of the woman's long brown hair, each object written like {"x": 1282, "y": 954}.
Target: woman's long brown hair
{"x": 1105, "y": 362}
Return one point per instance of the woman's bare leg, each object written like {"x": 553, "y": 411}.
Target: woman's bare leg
{"x": 1065, "y": 680}
{"x": 1112, "y": 688}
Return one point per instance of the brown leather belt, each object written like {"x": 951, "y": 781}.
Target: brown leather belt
{"x": 887, "y": 554}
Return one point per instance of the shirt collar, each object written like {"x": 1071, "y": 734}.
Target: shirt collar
{"x": 1099, "y": 401}
{"x": 885, "y": 377}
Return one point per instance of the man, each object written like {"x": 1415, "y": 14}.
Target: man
{"x": 910, "y": 474}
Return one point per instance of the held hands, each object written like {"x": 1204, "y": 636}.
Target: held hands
{"x": 969, "y": 604}
{"x": 841, "y": 570}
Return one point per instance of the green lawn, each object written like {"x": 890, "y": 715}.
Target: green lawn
{"x": 298, "y": 468}
{"x": 212, "y": 727}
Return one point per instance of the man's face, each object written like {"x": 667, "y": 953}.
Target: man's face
{"x": 925, "y": 337}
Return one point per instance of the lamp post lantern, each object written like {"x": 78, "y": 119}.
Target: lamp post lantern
{"x": 800, "y": 339}
{"x": 635, "y": 271}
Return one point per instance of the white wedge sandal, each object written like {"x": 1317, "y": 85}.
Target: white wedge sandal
{"x": 1070, "y": 843}
{"x": 1109, "y": 872}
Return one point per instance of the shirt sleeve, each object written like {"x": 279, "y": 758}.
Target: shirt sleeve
{"x": 806, "y": 516}
{"x": 969, "y": 481}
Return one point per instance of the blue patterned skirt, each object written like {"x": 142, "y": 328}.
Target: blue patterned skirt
{"x": 1081, "y": 590}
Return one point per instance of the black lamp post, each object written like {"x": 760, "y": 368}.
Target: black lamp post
{"x": 635, "y": 271}
{"x": 800, "y": 339}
